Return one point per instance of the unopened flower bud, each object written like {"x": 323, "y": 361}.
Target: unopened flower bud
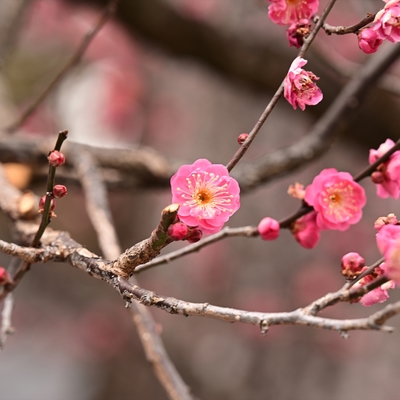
{"x": 242, "y": 138}
{"x": 268, "y": 228}
{"x": 42, "y": 202}
{"x": 56, "y": 158}
{"x": 194, "y": 235}
{"x": 177, "y": 231}
{"x": 4, "y": 276}
{"x": 297, "y": 191}
{"x": 369, "y": 41}
{"x": 352, "y": 265}
{"x": 59, "y": 191}
{"x": 377, "y": 177}
{"x": 390, "y": 219}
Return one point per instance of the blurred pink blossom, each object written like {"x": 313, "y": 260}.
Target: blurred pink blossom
{"x": 306, "y": 231}
{"x": 207, "y": 195}
{"x": 378, "y": 295}
{"x": 389, "y": 182}
{"x": 268, "y": 228}
{"x": 387, "y": 21}
{"x": 285, "y": 12}
{"x": 297, "y": 32}
{"x": 369, "y": 41}
{"x": 388, "y": 241}
{"x": 299, "y": 87}
{"x": 352, "y": 264}
{"x": 337, "y": 199}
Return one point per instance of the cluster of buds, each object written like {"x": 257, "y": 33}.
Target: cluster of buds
{"x": 180, "y": 231}
{"x": 297, "y": 32}
{"x": 55, "y": 158}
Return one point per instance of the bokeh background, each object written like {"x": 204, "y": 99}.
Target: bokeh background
{"x": 186, "y": 77}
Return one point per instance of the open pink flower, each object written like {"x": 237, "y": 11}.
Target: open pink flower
{"x": 207, "y": 195}
{"x": 285, "y": 12}
{"x": 387, "y": 21}
{"x": 299, "y": 87}
{"x": 369, "y": 41}
{"x": 306, "y": 231}
{"x": 337, "y": 199}
{"x": 388, "y": 240}
{"x": 387, "y": 176}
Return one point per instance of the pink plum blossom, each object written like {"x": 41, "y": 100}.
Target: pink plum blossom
{"x": 336, "y": 198}
{"x": 352, "y": 264}
{"x": 369, "y": 41}
{"x": 299, "y": 87}
{"x": 378, "y": 295}
{"x": 178, "y": 231}
{"x": 207, "y": 195}
{"x": 285, "y": 12}
{"x": 297, "y": 32}
{"x": 388, "y": 241}
{"x": 387, "y": 176}
{"x": 268, "y": 228}
{"x": 306, "y": 231}
{"x": 387, "y": 20}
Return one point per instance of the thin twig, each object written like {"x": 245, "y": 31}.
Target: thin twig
{"x": 343, "y": 30}
{"x": 271, "y": 105}
{"x": 246, "y": 231}
{"x": 75, "y": 59}
{"x": 99, "y": 212}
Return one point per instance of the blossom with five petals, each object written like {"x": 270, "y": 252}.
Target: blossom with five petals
{"x": 387, "y": 21}
{"x": 337, "y": 199}
{"x": 207, "y": 195}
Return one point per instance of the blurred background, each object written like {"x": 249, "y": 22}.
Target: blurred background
{"x": 186, "y": 77}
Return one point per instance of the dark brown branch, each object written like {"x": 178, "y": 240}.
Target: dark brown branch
{"x": 75, "y": 59}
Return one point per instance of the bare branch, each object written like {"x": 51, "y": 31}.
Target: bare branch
{"x": 100, "y": 215}
{"x": 343, "y": 30}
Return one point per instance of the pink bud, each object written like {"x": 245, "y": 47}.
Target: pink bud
{"x": 59, "y": 191}
{"x": 377, "y": 177}
{"x": 4, "y": 276}
{"x": 56, "y": 158}
{"x": 352, "y": 264}
{"x": 268, "y": 228}
{"x": 42, "y": 201}
{"x": 194, "y": 235}
{"x": 369, "y": 41}
{"x": 242, "y": 137}
{"x": 177, "y": 231}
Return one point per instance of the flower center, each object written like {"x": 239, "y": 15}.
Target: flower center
{"x": 208, "y": 193}
{"x": 339, "y": 201}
